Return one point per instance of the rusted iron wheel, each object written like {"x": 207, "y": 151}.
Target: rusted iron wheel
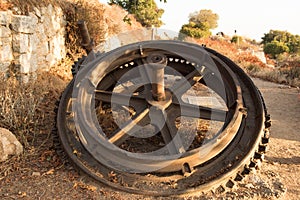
{"x": 163, "y": 118}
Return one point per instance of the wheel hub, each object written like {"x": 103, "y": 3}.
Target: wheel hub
{"x": 162, "y": 103}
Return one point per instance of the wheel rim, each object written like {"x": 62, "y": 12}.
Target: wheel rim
{"x": 93, "y": 83}
{"x": 92, "y": 135}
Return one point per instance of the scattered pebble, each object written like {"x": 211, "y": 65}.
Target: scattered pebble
{"x": 36, "y": 173}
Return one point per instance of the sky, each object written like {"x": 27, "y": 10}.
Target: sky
{"x": 249, "y": 18}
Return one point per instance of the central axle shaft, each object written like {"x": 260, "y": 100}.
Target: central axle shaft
{"x": 157, "y": 63}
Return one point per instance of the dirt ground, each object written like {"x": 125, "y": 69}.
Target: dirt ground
{"x": 283, "y": 156}
{"x": 40, "y": 174}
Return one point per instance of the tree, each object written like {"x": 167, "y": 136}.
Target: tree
{"x": 275, "y": 48}
{"x": 280, "y": 36}
{"x": 284, "y": 38}
{"x": 195, "y": 30}
{"x": 145, "y": 11}
{"x": 294, "y": 44}
{"x": 205, "y": 17}
{"x": 200, "y": 23}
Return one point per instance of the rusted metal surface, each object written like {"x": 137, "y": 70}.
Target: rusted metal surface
{"x": 87, "y": 41}
{"x": 131, "y": 113}
{"x": 157, "y": 62}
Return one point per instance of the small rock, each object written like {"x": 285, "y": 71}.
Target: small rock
{"x": 9, "y": 145}
{"x": 249, "y": 186}
{"x": 36, "y": 173}
{"x": 284, "y": 87}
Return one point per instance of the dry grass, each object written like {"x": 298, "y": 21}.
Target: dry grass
{"x": 25, "y": 6}
{"x": 63, "y": 69}
{"x": 4, "y": 6}
{"x": 286, "y": 71}
{"x": 27, "y": 109}
{"x": 288, "y": 76}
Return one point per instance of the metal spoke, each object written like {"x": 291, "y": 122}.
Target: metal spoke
{"x": 166, "y": 126}
{"x": 121, "y": 135}
{"x": 167, "y": 137}
{"x": 176, "y": 139}
{"x": 188, "y": 81}
{"x": 120, "y": 99}
{"x": 195, "y": 111}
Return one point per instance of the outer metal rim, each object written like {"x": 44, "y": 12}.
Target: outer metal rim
{"x": 241, "y": 80}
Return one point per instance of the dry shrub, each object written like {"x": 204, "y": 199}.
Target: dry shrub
{"x": 102, "y": 21}
{"x": 287, "y": 76}
{"x": 292, "y": 75}
{"x": 252, "y": 69}
{"x": 224, "y": 47}
{"x": 287, "y": 70}
{"x": 27, "y": 109}
{"x": 23, "y": 7}
{"x": 75, "y": 10}
{"x": 287, "y": 60}
{"x": 272, "y": 75}
{"x": 93, "y": 13}
{"x": 63, "y": 69}
{"x": 4, "y": 5}
{"x": 292, "y": 72}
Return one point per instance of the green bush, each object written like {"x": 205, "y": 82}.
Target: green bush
{"x": 145, "y": 11}
{"x": 275, "y": 48}
{"x": 199, "y": 24}
{"x": 236, "y": 39}
{"x": 195, "y": 30}
{"x": 290, "y": 40}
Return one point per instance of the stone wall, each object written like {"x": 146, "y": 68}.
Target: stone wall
{"x": 33, "y": 41}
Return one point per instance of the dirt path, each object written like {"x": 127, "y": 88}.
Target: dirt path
{"x": 40, "y": 174}
{"x": 283, "y": 156}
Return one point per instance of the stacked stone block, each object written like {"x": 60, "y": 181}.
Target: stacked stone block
{"x": 31, "y": 42}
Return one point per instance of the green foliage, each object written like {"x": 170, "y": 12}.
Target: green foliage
{"x": 127, "y": 20}
{"x": 294, "y": 44}
{"x": 145, "y": 11}
{"x": 281, "y": 36}
{"x": 275, "y": 48}
{"x": 236, "y": 39}
{"x": 289, "y": 40}
{"x": 200, "y": 24}
{"x": 195, "y": 31}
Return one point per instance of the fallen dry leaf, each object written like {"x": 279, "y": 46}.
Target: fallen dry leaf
{"x": 51, "y": 171}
